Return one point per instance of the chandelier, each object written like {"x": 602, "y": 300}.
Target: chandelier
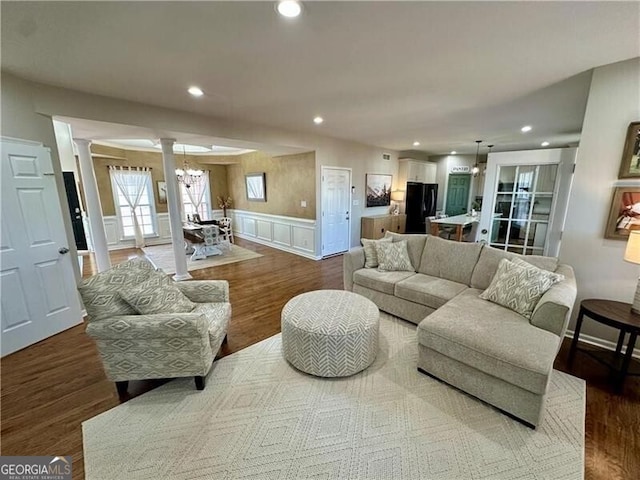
{"x": 476, "y": 168}
{"x": 186, "y": 175}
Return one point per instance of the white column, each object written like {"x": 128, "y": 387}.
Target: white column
{"x": 93, "y": 206}
{"x": 175, "y": 218}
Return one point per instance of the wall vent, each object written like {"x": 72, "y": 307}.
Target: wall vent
{"x": 386, "y": 156}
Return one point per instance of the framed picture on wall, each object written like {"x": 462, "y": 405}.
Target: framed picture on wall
{"x": 630, "y": 165}
{"x": 256, "y": 187}
{"x": 378, "y": 188}
{"x": 624, "y": 214}
{"x": 162, "y": 191}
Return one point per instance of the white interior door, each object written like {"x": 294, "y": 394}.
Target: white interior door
{"x": 525, "y": 200}
{"x": 336, "y": 211}
{"x": 39, "y": 296}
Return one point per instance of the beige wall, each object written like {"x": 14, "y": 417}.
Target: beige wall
{"x": 358, "y": 157}
{"x": 601, "y": 272}
{"x": 290, "y": 179}
{"x": 135, "y": 158}
{"x": 20, "y": 120}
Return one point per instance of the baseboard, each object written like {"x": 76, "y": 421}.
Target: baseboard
{"x": 598, "y": 342}
{"x": 277, "y": 246}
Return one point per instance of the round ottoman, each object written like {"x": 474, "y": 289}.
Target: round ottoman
{"x": 330, "y": 333}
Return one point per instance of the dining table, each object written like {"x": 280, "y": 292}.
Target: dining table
{"x": 196, "y": 244}
{"x": 459, "y": 221}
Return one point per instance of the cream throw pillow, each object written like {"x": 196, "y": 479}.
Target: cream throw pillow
{"x": 148, "y": 298}
{"x": 370, "y": 251}
{"x": 394, "y": 257}
{"x": 518, "y": 286}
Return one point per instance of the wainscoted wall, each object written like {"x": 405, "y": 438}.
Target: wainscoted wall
{"x": 295, "y": 235}
{"x": 115, "y": 242}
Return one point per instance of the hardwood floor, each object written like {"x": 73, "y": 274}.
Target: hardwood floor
{"x": 50, "y": 388}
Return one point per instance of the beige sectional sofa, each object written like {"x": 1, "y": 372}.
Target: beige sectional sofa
{"x": 480, "y": 347}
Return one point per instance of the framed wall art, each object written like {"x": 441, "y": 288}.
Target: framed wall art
{"x": 630, "y": 165}
{"x": 256, "y": 187}
{"x": 624, "y": 214}
{"x": 378, "y": 188}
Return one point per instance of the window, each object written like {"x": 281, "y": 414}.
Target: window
{"x": 132, "y": 184}
{"x": 197, "y": 198}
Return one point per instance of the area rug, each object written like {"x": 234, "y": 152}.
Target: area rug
{"x": 260, "y": 418}
{"x": 162, "y": 257}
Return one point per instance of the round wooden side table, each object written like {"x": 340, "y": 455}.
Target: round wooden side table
{"x": 617, "y": 315}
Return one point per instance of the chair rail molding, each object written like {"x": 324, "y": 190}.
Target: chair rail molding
{"x": 290, "y": 234}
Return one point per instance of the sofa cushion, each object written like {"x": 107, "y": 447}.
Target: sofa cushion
{"x": 100, "y": 292}
{"x": 490, "y": 257}
{"x": 450, "y": 260}
{"x": 393, "y": 257}
{"x": 371, "y": 251}
{"x": 384, "y": 282}
{"x": 415, "y": 245}
{"x": 492, "y": 339}
{"x": 518, "y": 285}
{"x": 426, "y": 290}
{"x": 150, "y": 297}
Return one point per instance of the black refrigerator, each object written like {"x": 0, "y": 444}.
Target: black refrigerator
{"x": 420, "y": 203}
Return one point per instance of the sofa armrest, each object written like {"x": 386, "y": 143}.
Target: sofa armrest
{"x": 205, "y": 291}
{"x": 351, "y": 261}
{"x": 554, "y": 308}
{"x": 160, "y": 325}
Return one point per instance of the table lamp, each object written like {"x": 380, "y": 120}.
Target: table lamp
{"x": 632, "y": 254}
{"x": 397, "y": 196}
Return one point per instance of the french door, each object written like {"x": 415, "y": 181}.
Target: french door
{"x": 336, "y": 207}
{"x": 525, "y": 200}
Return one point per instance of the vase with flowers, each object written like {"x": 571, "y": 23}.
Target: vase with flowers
{"x": 224, "y": 203}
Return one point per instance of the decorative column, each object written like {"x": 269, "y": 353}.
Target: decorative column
{"x": 175, "y": 218}
{"x": 94, "y": 208}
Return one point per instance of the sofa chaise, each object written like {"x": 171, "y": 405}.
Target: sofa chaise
{"x": 479, "y": 346}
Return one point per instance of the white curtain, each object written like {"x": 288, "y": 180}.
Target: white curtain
{"x": 196, "y": 193}
{"x": 131, "y": 182}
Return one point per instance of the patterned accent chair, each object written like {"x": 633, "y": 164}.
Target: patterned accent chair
{"x": 135, "y": 345}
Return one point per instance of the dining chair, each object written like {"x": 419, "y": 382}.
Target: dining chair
{"x": 226, "y": 232}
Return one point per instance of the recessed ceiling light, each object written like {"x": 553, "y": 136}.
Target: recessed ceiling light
{"x": 416, "y": 144}
{"x": 195, "y": 91}
{"x": 453, "y": 152}
{"x": 525, "y": 129}
{"x": 289, "y": 8}
{"x": 545, "y": 144}
{"x": 318, "y": 120}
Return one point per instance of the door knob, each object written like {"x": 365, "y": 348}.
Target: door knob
{"x": 63, "y": 250}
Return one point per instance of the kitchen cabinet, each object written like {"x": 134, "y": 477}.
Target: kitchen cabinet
{"x": 411, "y": 170}
{"x": 375, "y": 226}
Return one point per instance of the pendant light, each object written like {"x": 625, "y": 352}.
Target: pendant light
{"x": 476, "y": 168}
{"x": 187, "y": 175}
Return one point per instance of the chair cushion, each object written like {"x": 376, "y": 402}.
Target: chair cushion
{"x": 100, "y": 292}
{"x": 448, "y": 259}
{"x": 487, "y": 265}
{"x": 384, "y": 282}
{"x": 492, "y": 339}
{"x": 427, "y": 290}
{"x": 371, "y": 252}
{"x": 518, "y": 286}
{"x": 394, "y": 257}
{"x": 415, "y": 245}
{"x": 151, "y": 297}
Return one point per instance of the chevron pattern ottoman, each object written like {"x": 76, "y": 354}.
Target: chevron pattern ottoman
{"x": 330, "y": 333}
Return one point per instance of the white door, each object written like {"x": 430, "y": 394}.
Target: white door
{"x": 336, "y": 201}
{"x": 39, "y": 296}
{"x": 525, "y": 200}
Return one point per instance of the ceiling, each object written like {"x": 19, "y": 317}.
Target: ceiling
{"x": 380, "y": 73}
